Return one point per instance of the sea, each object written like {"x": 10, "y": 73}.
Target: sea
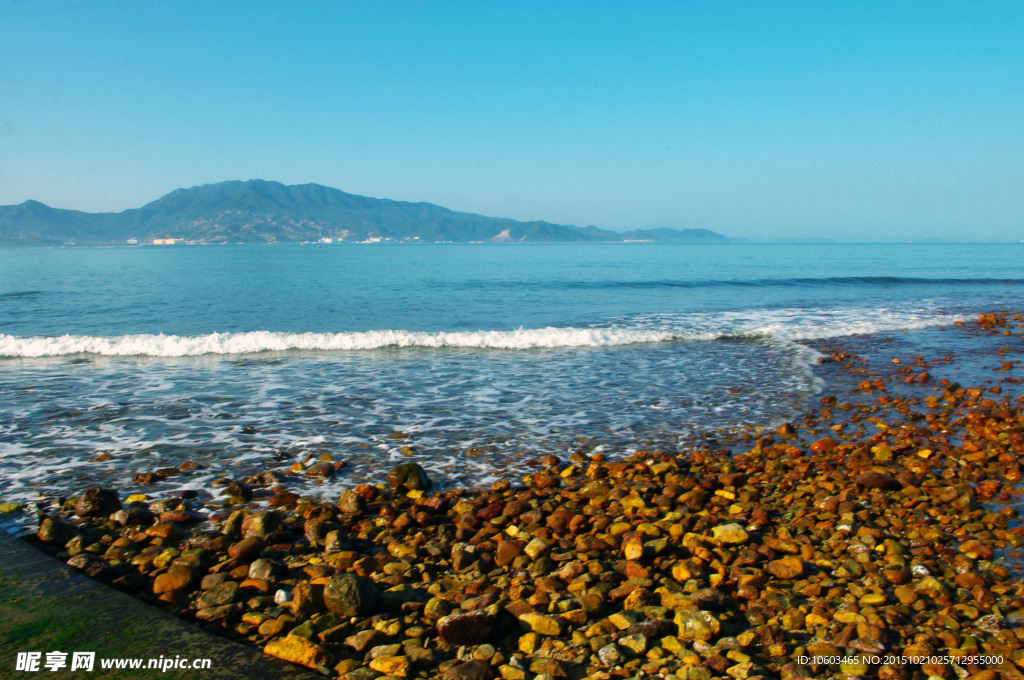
{"x": 472, "y": 360}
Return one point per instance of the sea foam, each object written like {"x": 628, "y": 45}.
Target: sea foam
{"x": 777, "y": 324}
{"x": 267, "y": 341}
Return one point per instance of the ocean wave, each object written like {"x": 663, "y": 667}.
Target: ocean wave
{"x": 266, "y": 341}
{"x": 787, "y": 325}
{"x": 815, "y": 330}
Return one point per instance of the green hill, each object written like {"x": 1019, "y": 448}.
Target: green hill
{"x": 258, "y": 211}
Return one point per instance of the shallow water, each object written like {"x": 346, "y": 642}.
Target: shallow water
{"x": 468, "y": 359}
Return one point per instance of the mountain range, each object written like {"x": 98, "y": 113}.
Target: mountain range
{"x": 260, "y": 211}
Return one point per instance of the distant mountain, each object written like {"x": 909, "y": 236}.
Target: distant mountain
{"x": 259, "y": 211}
{"x": 673, "y": 235}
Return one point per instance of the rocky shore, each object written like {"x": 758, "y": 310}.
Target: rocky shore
{"x": 871, "y": 539}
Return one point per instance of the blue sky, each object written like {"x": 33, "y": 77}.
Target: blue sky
{"x": 852, "y": 120}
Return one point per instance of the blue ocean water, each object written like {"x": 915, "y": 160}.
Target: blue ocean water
{"x": 471, "y": 359}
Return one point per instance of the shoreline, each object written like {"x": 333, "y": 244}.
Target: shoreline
{"x": 866, "y": 530}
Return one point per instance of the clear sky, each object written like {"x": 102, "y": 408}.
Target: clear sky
{"x": 846, "y": 120}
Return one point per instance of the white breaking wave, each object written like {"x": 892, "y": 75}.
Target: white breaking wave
{"x": 780, "y": 324}
{"x": 267, "y": 341}
{"x": 796, "y": 324}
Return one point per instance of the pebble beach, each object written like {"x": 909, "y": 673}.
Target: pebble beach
{"x": 875, "y": 537}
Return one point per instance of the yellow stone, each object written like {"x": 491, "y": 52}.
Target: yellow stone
{"x": 602, "y": 627}
{"x": 697, "y": 625}
{"x": 815, "y": 619}
{"x": 671, "y": 644}
{"x": 297, "y": 650}
{"x": 511, "y": 672}
{"x": 906, "y": 595}
{"x": 731, "y": 534}
{"x": 872, "y": 599}
{"x": 633, "y": 545}
{"x": 414, "y": 493}
{"x": 388, "y": 626}
{"x": 882, "y": 452}
{"x": 673, "y": 599}
{"x": 576, "y": 617}
{"x": 746, "y": 638}
{"x": 648, "y": 529}
{"x": 632, "y": 502}
{"x": 391, "y": 665}
{"x": 681, "y": 572}
{"x": 541, "y": 623}
{"x": 846, "y": 616}
{"x": 346, "y": 666}
{"x": 528, "y": 643}
{"x": 794, "y": 619}
{"x": 136, "y": 498}
{"x": 624, "y": 619}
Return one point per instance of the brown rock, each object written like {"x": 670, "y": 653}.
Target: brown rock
{"x": 350, "y": 595}
{"x": 877, "y": 480}
{"x": 823, "y": 445}
{"x": 177, "y": 578}
{"x": 307, "y": 599}
{"x": 275, "y": 627}
{"x": 474, "y": 628}
{"x": 470, "y": 670}
{"x": 93, "y": 565}
{"x": 321, "y": 470}
{"x": 97, "y": 502}
{"x": 55, "y": 531}
{"x": 364, "y": 640}
{"x": 408, "y": 477}
{"x": 507, "y": 551}
{"x": 211, "y": 581}
{"x": 283, "y": 499}
{"x": 221, "y": 595}
{"x": 788, "y": 567}
{"x": 247, "y": 549}
{"x": 261, "y": 523}
{"x": 261, "y": 585}
{"x": 351, "y": 503}
{"x": 219, "y": 614}
{"x": 367, "y": 492}
{"x": 167, "y": 531}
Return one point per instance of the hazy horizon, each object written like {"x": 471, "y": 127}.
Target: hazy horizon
{"x": 855, "y": 123}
